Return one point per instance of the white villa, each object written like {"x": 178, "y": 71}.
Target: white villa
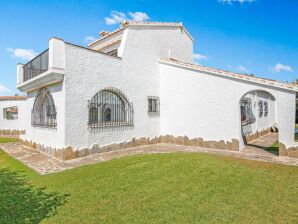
{"x": 139, "y": 85}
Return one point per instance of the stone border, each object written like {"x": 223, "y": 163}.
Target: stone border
{"x": 5, "y": 132}
{"x": 291, "y": 152}
{"x": 256, "y": 135}
{"x": 69, "y": 153}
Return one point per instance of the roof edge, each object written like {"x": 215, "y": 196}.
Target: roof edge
{"x": 223, "y": 73}
{"x": 132, "y": 23}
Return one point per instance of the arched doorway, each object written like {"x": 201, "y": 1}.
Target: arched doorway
{"x": 259, "y": 123}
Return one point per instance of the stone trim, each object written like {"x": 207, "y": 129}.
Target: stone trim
{"x": 248, "y": 138}
{"x": 291, "y": 152}
{"x": 9, "y": 132}
{"x": 69, "y": 153}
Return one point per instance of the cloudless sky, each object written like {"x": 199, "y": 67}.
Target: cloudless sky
{"x": 246, "y": 37}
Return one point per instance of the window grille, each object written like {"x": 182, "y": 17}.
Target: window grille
{"x": 260, "y": 105}
{"x": 44, "y": 110}
{"x": 153, "y": 105}
{"x": 10, "y": 113}
{"x": 265, "y": 108}
{"x": 110, "y": 108}
{"x": 247, "y": 116}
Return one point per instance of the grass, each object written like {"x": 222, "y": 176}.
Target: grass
{"x": 274, "y": 148}
{"x": 159, "y": 188}
{"x": 6, "y": 140}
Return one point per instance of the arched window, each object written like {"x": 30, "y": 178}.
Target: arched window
{"x": 110, "y": 107}
{"x": 44, "y": 110}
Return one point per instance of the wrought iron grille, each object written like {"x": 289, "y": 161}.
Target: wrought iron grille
{"x": 37, "y": 65}
{"x": 266, "y": 108}
{"x": 110, "y": 108}
{"x": 247, "y": 116}
{"x": 44, "y": 111}
{"x": 153, "y": 105}
{"x": 260, "y": 105}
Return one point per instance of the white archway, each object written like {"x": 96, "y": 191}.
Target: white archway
{"x": 258, "y": 117}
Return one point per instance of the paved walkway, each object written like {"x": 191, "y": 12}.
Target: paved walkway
{"x": 259, "y": 145}
{"x": 37, "y": 161}
{"x": 44, "y": 164}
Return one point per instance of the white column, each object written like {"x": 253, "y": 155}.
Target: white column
{"x": 20, "y": 73}
{"x": 56, "y": 53}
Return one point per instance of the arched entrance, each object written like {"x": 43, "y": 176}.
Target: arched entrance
{"x": 259, "y": 123}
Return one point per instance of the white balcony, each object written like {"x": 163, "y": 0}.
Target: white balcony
{"x": 46, "y": 69}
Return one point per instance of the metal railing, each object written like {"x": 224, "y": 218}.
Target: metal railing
{"x": 37, "y": 65}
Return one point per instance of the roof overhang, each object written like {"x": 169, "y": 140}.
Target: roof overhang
{"x": 227, "y": 74}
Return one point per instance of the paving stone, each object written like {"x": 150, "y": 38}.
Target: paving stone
{"x": 44, "y": 164}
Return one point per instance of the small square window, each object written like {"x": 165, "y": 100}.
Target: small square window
{"x": 10, "y": 113}
{"x": 260, "y": 105}
{"x": 153, "y": 105}
{"x": 265, "y": 108}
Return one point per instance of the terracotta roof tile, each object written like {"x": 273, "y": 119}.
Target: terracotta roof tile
{"x": 8, "y": 98}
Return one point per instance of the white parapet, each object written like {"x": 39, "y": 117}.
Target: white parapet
{"x": 20, "y": 73}
{"x": 56, "y": 53}
{"x": 54, "y": 73}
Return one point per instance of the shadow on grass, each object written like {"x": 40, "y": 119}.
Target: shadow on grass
{"x": 22, "y": 203}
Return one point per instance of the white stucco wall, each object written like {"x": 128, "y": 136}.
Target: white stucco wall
{"x": 197, "y": 104}
{"x": 89, "y": 72}
{"x": 148, "y": 44}
{"x": 51, "y": 137}
{"x": 18, "y": 124}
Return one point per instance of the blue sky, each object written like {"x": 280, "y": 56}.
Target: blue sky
{"x": 249, "y": 36}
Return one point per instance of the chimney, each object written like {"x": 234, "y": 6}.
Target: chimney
{"x": 124, "y": 23}
{"x": 104, "y": 33}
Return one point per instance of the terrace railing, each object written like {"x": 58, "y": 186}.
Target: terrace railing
{"x": 37, "y": 65}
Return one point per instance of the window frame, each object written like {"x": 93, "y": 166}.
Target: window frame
{"x": 266, "y": 108}
{"x": 153, "y": 105}
{"x": 44, "y": 111}
{"x": 260, "y": 108}
{"x": 246, "y": 103}
{"x": 113, "y": 109}
{"x": 11, "y": 118}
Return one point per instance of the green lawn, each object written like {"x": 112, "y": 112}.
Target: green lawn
{"x": 160, "y": 188}
{"x": 274, "y": 149}
{"x": 6, "y": 140}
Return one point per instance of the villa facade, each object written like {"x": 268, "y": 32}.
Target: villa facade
{"x": 139, "y": 85}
